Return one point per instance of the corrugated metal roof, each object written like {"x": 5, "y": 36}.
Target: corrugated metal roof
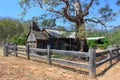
{"x": 71, "y": 35}
{"x": 58, "y": 34}
{"x": 55, "y": 33}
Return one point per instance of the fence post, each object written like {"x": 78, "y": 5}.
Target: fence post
{"x": 28, "y": 51}
{"x": 116, "y": 47}
{"x": 92, "y": 63}
{"x": 110, "y": 56}
{"x": 49, "y": 54}
{"x": 15, "y": 49}
{"x": 6, "y": 49}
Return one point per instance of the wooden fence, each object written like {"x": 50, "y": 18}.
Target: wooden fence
{"x": 91, "y": 55}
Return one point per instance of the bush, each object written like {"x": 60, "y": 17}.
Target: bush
{"x": 94, "y": 43}
{"x": 19, "y": 40}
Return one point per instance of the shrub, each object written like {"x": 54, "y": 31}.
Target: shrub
{"x": 19, "y": 40}
{"x": 103, "y": 45}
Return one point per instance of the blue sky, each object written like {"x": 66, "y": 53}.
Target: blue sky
{"x": 10, "y": 8}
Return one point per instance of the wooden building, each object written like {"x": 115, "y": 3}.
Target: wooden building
{"x": 38, "y": 38}
{"x": 41, "y": 38}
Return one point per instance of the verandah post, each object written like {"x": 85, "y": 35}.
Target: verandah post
{"x": 92, "y": 63}
{"x": 49, "y": 54}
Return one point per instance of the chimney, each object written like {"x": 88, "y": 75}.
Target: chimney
{"x": 34, "y": 26}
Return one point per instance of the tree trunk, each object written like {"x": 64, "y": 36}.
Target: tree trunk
{"x": 81, "y": 35}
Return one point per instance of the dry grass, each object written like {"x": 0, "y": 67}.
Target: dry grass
{"x": 19, "y": 68}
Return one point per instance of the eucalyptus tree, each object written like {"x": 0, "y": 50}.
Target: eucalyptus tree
{"x": 76, "y": 11}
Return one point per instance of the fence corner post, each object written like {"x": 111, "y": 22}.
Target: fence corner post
{"x": 49, "y": 55}
{"x": 6, "y": 49}
{"x": 92, "y": 63}
{"x": 28, "y": 51}
{"x": 16, "y": 54}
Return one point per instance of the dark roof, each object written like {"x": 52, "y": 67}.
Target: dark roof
{"x": 34, "y": 26}
{"x": 35, "y": 33}
{"x": 40, "y": 35}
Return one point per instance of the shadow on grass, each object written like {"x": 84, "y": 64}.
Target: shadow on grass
{"x": 22, "y": 57}
{"x": 71, "y": 69}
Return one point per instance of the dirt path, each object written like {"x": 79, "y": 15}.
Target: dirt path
{"x": 12, "y": 68}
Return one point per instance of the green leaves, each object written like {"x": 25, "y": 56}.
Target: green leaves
{"x": 103, "y": 45}
{"x": 49, "y": 23}
{"x": 61, "y": 28}
{"x": 114, "y": 35}
{"x": 105, "y": 11}
{"x": 118, "y": 2}
{"x": 19, "y": 40}
{"x": 10, "y": 28}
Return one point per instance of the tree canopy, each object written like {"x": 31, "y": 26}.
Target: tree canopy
{"x": 67, "y": 9}
{"x": 11, "y": 29}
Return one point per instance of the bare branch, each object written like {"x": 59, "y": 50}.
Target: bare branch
{"x": 96, "y": 21}
{"x": 65, "y": 9}
{"x": 86, "y": 12}
{"x": 39, "y": 3}
{"x": 78, "y": 9}
{"x": 65, "y": 13}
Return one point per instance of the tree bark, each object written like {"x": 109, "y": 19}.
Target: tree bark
{"x": 81, "y": 35}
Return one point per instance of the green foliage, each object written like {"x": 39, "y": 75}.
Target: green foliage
{"x": 91, "y": 43}
{"x": 114, "y": 36}
{"x": 61, "y": 28}
{"x": 18, "y": 40}
{"x": 103, "y": 45}
{"x": 111, "y": 36}
{"x": 49, "y": 23}
{"x": 118, "y": 2}
{"x": 105, "y": 12}
{"x": 12, "y": 30}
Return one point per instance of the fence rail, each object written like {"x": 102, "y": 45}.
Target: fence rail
{"x": 91, "y": 55}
